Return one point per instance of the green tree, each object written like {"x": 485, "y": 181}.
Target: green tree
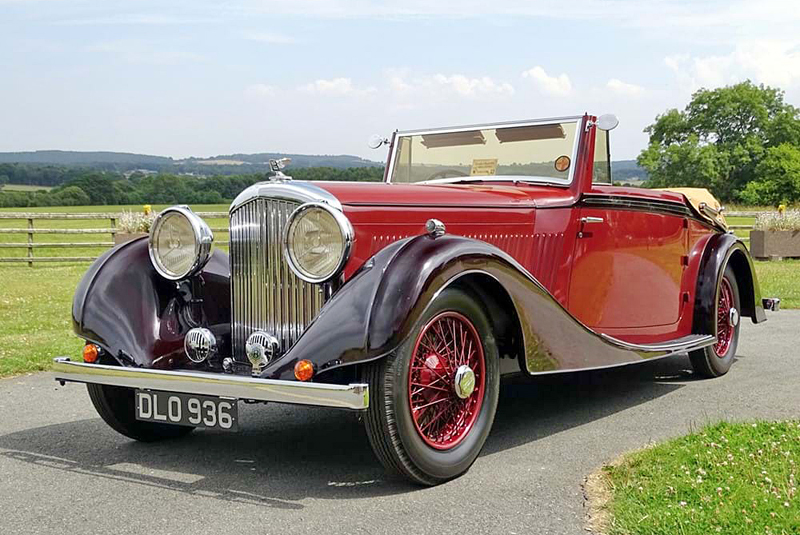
{"x": 719, "y": 139}
{"x": 71, "y": 196}
{"x": 99, "y": 187}
{"x": 777, "y": 177}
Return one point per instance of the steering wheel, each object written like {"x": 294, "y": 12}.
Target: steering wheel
{"x": 455, "y": 173}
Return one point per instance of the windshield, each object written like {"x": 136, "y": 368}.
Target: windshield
{"x": 542, "y": 152}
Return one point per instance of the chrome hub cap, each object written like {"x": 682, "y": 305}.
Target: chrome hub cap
{"x": 464, "y": 383}
{"x": 734, "y": 317}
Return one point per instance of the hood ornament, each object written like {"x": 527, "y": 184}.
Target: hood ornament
{"x": 277, "y": 166}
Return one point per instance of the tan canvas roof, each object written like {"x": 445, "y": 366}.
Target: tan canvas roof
{"x": 699, "y": 196}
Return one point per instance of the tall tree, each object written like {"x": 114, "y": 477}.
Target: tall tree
{"x": 719, "y": 139}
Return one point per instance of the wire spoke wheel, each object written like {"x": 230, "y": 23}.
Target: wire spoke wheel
{"x": 725, "y": 328}
{"x": 446, "y": 380}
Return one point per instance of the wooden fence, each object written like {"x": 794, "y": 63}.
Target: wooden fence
{"x": 31, "y": 231}
{"x": 31, "y": 245}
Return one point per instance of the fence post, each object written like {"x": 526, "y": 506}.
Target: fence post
{"x": 113, "y": 221}
{"x": 30, "y": 242}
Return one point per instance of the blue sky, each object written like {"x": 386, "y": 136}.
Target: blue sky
{"x": 181, "y": 78}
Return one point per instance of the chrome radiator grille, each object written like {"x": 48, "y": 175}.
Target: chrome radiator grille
{"x": 265, "y": 294}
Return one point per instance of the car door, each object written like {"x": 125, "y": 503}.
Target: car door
{"x": 629, "y": 254}
{"x": 627, "y": 267}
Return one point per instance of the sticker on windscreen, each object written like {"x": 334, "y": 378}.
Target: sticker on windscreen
{"x": 562, "y": 163}
{"x": 484, "y": 167}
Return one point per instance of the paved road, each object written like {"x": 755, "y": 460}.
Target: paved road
{"x": 294, "y": 470}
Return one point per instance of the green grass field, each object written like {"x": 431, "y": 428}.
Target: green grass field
{"x": 734, "y": 479}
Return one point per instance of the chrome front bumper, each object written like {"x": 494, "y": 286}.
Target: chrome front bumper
{"x": 353, "y": 396}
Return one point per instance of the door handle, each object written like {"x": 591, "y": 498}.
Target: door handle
{"x": 585, "y": 221}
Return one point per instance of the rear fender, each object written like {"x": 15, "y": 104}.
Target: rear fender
{"x": 720, "y": 251}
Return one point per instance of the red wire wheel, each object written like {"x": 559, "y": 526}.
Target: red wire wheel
{"x": 725, "y": 329}
{"x": 443, "y": 399}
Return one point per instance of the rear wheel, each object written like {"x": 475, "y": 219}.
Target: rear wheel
{"x": 716, "y": 360}
{"x": 432, "y": 402}
{"x": 116, "y": 405}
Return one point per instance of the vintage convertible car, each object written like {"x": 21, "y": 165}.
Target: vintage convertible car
{"x": 487, "y": 250}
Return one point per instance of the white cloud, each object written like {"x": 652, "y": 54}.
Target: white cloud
{"x": 260, "y": 90}
{"x": 414, "y": 90}
{"x": 335, "y": 86}
{"x": 559, "y": 85}
{"x": 770, "y": 62}
{"x": 470, "y": 87}
{"x": 271, "y": 38}
{"x": 623, "y": 88}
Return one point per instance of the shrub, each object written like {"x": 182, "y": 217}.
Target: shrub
{"x": 135, "y": 222}
{"x": 789, "y": 220}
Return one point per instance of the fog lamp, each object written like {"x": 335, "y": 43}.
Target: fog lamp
{"x": 90, "y": 353}
{"x": 304, "y": 370}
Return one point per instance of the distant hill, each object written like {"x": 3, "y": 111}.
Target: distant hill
{"x": 628, "y": 171}
{"x": 223, "y": 164}
{"x": 65, "y": 157}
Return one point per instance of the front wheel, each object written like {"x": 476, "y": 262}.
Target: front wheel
{"x": 116, "y": 406}
{"x": 716, "y": 360}
{"x": 433, "y": 401}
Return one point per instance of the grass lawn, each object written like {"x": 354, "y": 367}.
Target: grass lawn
{"x": 727, "y": 478}
{"x": 35, "y": 316}
{"x": 24, "y": 187}
{"x": 780, "y": 279}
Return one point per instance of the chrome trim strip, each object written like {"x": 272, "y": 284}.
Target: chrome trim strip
{"x": 501, "y": 124}
{"x": 641, "y": 204}
{"x": 679, "y": 345}
{"x": 354, "y": 396}
{"x": 299, "y": 192}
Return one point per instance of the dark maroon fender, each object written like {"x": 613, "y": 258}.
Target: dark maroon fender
{"x": 140, "y": 318}
{"x": 374, "y": 312}
{"x": 720, "y": 251}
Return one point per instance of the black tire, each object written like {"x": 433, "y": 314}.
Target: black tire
{"x": 389, "y": 422}
{"x": 706, "y": 362}
{"x": 116, "y": 406}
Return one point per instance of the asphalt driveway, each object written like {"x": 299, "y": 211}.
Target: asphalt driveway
{"x": 295, "y": 470}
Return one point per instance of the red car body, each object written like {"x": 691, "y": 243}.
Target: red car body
{"x": 536, "y": 276}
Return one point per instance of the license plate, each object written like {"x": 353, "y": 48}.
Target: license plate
{"x": 187, "y": 409}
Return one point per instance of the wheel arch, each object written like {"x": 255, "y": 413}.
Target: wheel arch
{"x": 750, "y": 298}
{"x": 500, "y": 309}
{"x": 721, "y": 251}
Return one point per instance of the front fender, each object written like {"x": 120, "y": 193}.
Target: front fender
{"x": 123, "y": 305}
{"x": 374, "y": 312}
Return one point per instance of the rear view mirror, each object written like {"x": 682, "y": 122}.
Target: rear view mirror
{"x": 607, "y": 122}
{"x": 377, "y": 141}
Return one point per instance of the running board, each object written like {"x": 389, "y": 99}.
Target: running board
{"x": 679, "y": 345}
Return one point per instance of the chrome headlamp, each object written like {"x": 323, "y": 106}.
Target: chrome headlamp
{"x": 317, "y": 242}
{"x": 180, "y": 243}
